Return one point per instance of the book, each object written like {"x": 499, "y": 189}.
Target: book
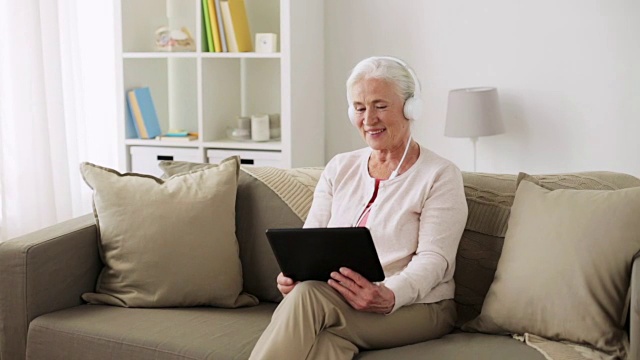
{"x": 215, "y": 33}
{"x": 207, "y": 25}
{"x": 236, "y": 25}
{"x": 223, "y": 39}
{"x": 240, "y": 22}
{"x": 178, "y": 133}
{"x": 177, "y": 138}
{"x": 143, "y": 113}
{"x": 232, "y": 45}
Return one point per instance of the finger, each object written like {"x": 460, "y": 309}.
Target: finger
{"x": 359, "y": 294}
{"x": 348, "y": 281}
{"x": 350, "y": 297}
{"x": 346, "y": 292}
{"x": 345, "y": 281}
{"x": 356, "y": 277}
{"x": 283, "y": 280}
{"x": 284, "y": 290}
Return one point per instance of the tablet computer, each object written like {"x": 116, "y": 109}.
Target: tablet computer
{"x": 313, "y": 253}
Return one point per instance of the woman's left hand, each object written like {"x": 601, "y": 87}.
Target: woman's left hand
{"x": 362, "y": 294}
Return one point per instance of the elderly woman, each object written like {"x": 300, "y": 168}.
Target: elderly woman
{"x": 411, "y": 199}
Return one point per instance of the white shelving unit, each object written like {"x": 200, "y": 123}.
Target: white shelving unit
{"x": 205, "y": 92}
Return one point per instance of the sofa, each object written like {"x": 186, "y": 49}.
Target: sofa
{"x": 44, "y": 274}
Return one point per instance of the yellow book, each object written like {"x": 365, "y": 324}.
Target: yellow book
{"x": 136, "y": 114}
{"x": 240, "y": 23}
{"x": 217, "y": 44}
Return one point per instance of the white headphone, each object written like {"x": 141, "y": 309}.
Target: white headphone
{"x": 412, "y": 106}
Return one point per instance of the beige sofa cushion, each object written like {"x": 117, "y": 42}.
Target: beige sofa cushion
{"x": 107, "y": 333}
{"x": 267, "y": 197}
{"x": 459, "y": 346}
{"x": 489, "y": 197}
{"x": 564, "y": 272}
{"x": 167, "y": 243}
{"x": 90, "y": 332}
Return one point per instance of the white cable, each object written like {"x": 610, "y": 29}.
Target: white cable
{"x": 394, "y": 173}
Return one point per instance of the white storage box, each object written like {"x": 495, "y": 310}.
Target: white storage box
{"x": 145, "y": 159}
{"x": 255, "y": 158}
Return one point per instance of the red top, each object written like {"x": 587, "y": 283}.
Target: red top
{"x": 365, "y": 214}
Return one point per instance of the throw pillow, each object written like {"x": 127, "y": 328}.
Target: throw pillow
{"x": 490, "y": 197}
{"x": 564, "y": 272}
{"x": 167, "y": 243}
{"x": 267, "y": 197}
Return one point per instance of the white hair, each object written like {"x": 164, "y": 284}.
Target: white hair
{"x": 385, "y": 68}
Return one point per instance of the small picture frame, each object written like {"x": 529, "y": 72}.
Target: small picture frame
{"x": 266, "y": 42}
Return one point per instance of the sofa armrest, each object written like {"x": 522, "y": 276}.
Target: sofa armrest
{"x": 42, "y": 272}
{"x": 634, "y": 312}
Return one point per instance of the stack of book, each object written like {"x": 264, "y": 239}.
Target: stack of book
{"x": 178, "y": 135}
{"x": 226, "y": 26}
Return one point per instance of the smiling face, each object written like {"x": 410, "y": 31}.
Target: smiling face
{"x": 379, "y": 114}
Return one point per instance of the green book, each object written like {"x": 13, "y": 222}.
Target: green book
{"x": 207, "y": 25}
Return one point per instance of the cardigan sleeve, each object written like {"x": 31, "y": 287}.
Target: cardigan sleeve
{"x": 320, "y": 212}
{"x": 442, "y": 222}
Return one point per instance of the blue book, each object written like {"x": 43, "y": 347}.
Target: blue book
{"x": 143, "y": 113}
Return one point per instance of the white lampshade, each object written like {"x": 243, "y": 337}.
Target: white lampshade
{"x": 473, "y": 112}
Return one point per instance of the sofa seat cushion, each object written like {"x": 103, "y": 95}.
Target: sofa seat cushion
{"x": 107, "y": 332}
{"x": 459, "y": 346}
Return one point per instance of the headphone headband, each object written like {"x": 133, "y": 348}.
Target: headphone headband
{"x": 417, "y": 89}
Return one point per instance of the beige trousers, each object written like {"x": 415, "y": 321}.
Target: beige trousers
{"x": 315, "y": 322}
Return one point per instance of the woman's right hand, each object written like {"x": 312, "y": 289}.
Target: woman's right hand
{"x": 285, "y": 284}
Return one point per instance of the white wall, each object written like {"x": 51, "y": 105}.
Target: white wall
{"x": 568, "y": 73}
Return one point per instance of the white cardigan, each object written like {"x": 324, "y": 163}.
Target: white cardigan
{"x": 416, "y": 221}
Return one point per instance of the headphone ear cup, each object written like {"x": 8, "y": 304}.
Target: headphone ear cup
{"x": 352, "y": 115}
{"x": 412, "y": 108}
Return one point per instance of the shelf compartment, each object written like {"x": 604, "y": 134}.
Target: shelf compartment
{"x": 141, "y": 19}
{"x": 264, "y": 17}
{"x": 173, "y": 85}
{"x": 251, "y": 86}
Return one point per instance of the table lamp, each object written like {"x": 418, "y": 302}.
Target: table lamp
{"x": 473, "y": 112}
